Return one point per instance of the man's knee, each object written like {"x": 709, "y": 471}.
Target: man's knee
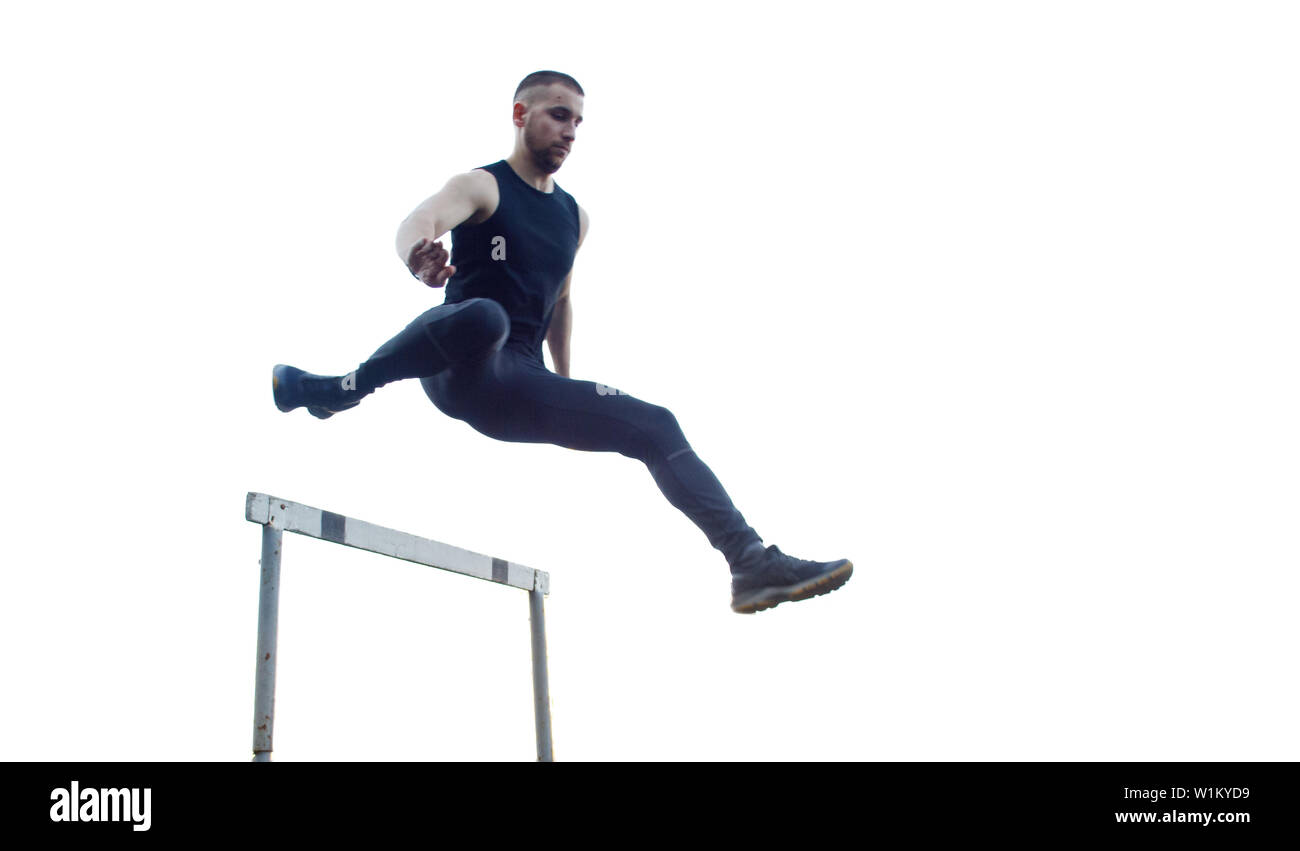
{"x": 662, "y": 426}
{"x": 475, "y": 328}
{"x": 492, "y": 322}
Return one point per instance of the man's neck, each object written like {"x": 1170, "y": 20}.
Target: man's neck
{"x": 530, "y": 173}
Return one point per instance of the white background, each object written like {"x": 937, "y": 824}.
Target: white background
{"x": 996, "y": 299}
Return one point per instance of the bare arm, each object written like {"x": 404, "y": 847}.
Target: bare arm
{"x": 557, "y": 335}
{"x": 464, "y": 196}
{"x": 561, "y": 328}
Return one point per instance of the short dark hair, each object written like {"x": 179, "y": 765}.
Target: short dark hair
{"x": 545, "y": 78}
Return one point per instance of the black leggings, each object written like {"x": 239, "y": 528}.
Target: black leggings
{"x": 460, "y": 353}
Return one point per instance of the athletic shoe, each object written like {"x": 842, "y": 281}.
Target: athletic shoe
{"x": 763, "y": 578}
{"x": 322, "y": 395}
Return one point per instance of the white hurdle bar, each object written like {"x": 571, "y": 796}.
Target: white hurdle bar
{"x": 277, "y": 516}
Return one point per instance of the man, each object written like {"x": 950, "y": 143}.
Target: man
{"x": 479, "y": 354}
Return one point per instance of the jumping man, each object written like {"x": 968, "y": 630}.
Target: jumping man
{"x": 514, "y": 235}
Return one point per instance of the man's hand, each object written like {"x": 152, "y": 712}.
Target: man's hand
{"x": 427, "y": 261}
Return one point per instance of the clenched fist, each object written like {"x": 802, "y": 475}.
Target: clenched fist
{"x": 427, "y": 261}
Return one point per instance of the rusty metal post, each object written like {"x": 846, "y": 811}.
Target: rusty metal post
{"x": 268, "y": 612}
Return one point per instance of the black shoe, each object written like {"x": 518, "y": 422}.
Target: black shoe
{"x": 762, "y": 579}
{"x": 323, "y": 396}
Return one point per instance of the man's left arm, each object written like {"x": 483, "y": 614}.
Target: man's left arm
{"x": 557, "y": 336}
{"x": 561, "y": 328}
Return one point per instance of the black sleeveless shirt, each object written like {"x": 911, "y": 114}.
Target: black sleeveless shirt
{"x": 519, "y": 257}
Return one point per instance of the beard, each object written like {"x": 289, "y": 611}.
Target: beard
{"x": 544, "y": 157}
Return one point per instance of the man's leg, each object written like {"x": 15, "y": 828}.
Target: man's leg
{"x": 443, "y": 336}
{"x": 513, "y": 398}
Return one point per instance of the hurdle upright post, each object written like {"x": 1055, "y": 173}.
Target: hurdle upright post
{"x": 268, "y": 616}
{"x": 541, "y": 688}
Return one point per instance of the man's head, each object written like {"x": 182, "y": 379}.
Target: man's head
{"x": 547, "y": 112}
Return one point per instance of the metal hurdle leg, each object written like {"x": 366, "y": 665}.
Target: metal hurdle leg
{"x": 541, "y": 688}
{"x": 268, "y": 611}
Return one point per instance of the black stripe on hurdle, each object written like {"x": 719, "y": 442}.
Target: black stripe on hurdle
{"x": 500, "y": 570}
{"x": 333, "y": 526}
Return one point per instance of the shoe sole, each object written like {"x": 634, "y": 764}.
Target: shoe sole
{"x": 766, "y": 598}
{"x": 275, "y": 390}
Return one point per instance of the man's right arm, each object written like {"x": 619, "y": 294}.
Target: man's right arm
{"x": 462, "y": 197}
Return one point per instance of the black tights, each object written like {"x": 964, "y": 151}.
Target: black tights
{"x": 459, "y": 353}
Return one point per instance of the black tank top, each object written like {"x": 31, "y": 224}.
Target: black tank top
{"x": 519, "y": 257}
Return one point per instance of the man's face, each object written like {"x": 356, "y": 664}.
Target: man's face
{"x": 550, "y": 124}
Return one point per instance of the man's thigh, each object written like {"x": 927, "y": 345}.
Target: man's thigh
{"x": 521, "y": 402}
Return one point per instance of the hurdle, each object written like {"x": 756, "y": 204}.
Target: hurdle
{"x": 278, "y": 516}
